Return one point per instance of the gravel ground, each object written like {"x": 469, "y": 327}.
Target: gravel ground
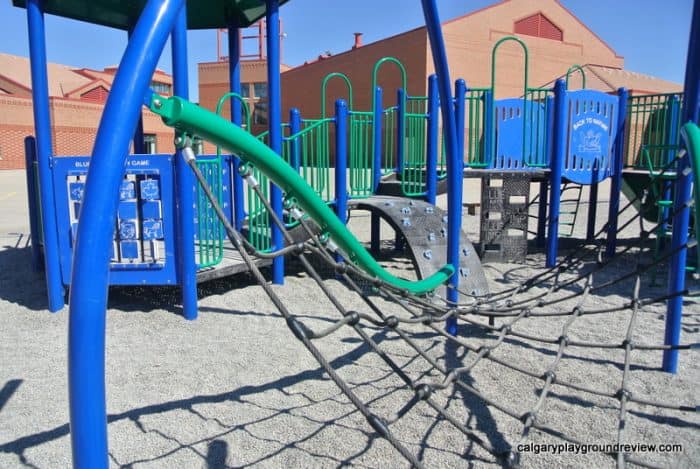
{"x": 234, "y": 388}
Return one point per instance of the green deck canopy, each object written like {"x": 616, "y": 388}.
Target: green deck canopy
{"x": 122, "y": 14}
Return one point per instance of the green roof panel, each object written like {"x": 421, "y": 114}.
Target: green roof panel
{"x": 122, "y": 14}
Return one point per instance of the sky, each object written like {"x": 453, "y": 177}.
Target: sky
{"x": 651, "y": 35}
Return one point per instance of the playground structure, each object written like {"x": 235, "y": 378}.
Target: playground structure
{"x": 573, "y": 135}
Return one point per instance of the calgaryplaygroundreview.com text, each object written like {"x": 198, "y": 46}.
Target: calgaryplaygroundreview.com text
{"x": 610, "y": 448}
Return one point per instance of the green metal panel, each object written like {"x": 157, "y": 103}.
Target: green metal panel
{"x": 360, "y": 163}
{"x": 122, "y": 14}
{"x": 652, "y": 121}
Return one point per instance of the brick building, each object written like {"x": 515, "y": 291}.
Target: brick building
{"x": 76, "y": 101}
{"x": 555, "y": 38}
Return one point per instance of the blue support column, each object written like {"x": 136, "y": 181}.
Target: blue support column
{"x": 455, "y": 165}
{"x": 234, "y": 78}
{"x": 432, "y": 139}
{"x": 616, "y": 179}
{"x": 274, "y": 96}
{"x": 676, "y": 277}
{"x": 400, "y": 130}
{"x": 29, "y": 159}
{"x": 341, "y": 162}
{"x": 185, "y": 180}
{"x": 90, "y": 277}
{"x": 489, "y": 127}
{"x": 42, "y": 128}
{"x": 139, "y": 144}
{"x": 592, "y": 211}
{"x": 377, "y": 138}
{"x": 294, "y": 128}
{"x": 460, "y": 113}
{"x": 544, "y": 185}
{"x": 556, "y": 168}
{"x": 460, "y": 110}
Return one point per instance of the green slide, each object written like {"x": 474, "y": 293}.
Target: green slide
{"x": 190, "y": 118}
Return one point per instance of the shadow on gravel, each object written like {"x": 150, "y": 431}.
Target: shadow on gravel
{"x": 217, "y": 449}
{"x": 19, "y": 284}
{"x": 8, "y": 390}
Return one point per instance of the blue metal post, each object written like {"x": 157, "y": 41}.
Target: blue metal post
{"x": 185, "y": 180}
{"x": 294, "y": 128}
{"x": 432, "y": 139}
{"x": 234, "y": 78}
{"x": 90, "y": 274}
{"x": 616, "y": 179}
{"x": 274, "y": 96}
{"x": 544, "y": 185}
{"x": 455, "y": 164}
{"x": 460, "y": 113}
{"x": 489, "y": 127}
{"x": 29, "y": 159}
{"x": 676, "y": 277}
{"x": 341, "y": 162}
{"x": 556, "y": 166}
{"x": 400, "y": 129}
{"x": 42, "y": 128}
{"x": 592, "y": 211}
{"x": 139, "y": 144}
{"x": 377, "y": 138}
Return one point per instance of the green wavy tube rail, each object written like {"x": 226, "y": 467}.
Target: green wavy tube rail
{"x": 190, "y": 118}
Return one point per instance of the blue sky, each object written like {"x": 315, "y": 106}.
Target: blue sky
{"x": 651, "y": 35}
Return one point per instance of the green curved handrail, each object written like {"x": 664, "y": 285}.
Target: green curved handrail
{"x": 185, "y": 116}
{"x": 324, "y": 84}
{"x": 690, "y": 132}
{"x": 576, "y": 68}
{"x": 404, "y": 83}
{"x": 493, "y": 62}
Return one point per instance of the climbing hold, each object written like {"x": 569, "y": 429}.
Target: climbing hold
{"x": 464, "y": 272}
{"x": 428, "y": 254}
{"x": 406, "y": 221}
{"x": 406, "y": 211}
{"x": 431, "y": 236}
{"x": 429, "y": 210}
{"x": 444, "y": 219}
{"x": 465, "y": 252}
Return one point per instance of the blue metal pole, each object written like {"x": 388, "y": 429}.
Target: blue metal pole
{"x": 29, "y": 158}
{"x": 432, "y": 138}
{"x": 274, "y": 96}
{"x": 549, "y": 148}
{"x": 341, "y": 162}
{"x": 234, "y": 78}
{"x": 294, "y": 128}
{"x": 489, "y": 127}
{"x": 377, "y": 138}
{"x": 676, "y": 277}
{"x": 139, "y": 144}
{"x": 42, "y": 128}
{"x": 455, "y": 164}
{"x": 185, "y": 180}
{"x": 616, "y": 180}
{"x": 592, "y": 211}
{"x": 400, "y": 129}
{"x": 90, "y": 274}
{"x": 460, "y": 113}
{"x": 556, "y": 168}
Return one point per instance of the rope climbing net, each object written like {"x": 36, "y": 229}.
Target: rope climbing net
{"x": 574, "y": 391}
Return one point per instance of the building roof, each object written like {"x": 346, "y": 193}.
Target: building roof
{"x": 64, "y": 81}
{"x": 610, "y": 79}
{"x": 62, "y": 78}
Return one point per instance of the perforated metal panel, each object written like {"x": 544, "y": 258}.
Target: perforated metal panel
{"x": 504, "y": 216}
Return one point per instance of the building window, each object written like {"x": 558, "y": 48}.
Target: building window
{"x": 245, "y": 90}
{"x": 162, "y": 88}
{"x": 149, "y": 144}
{"x": 539, "y": 25}
{"x": 260, "y": 90}
{"x": 260, "y": 113}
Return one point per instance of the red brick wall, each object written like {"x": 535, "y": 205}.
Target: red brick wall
{"x": 74, "y": 125}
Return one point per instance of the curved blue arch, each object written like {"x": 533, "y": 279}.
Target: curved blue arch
{"x": 88, "y": 298}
